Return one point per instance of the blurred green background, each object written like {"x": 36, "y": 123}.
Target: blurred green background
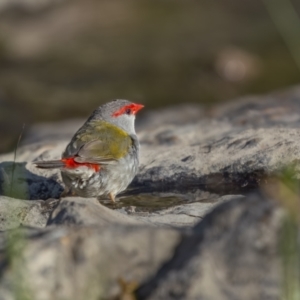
{"x": 61, "y": 59}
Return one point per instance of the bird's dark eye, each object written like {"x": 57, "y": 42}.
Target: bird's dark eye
{"x": 128, "y": 111}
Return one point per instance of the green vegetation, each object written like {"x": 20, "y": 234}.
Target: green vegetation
{"x": 286, "y": 191}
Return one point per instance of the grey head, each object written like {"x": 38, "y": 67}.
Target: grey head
{"x": 118, "y": 112}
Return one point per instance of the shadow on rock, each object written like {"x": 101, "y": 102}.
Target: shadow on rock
{"x": 17, "y": 182}
{"x": 222, "y": 183}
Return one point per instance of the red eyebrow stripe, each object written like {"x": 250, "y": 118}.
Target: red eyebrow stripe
{"x": 134, "y": 108}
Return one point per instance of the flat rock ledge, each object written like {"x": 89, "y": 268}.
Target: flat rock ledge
{"x": 231, "y": 149}
{"x": 197, "y": 222}
{"x": 232, "y": 251}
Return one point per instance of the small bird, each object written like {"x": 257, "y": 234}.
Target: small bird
{"x": 102, "y": 158}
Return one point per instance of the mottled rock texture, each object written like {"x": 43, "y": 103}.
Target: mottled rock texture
{"x": 232, "y": 254}
{"x": 83, "y": 262}
{"x": 16, "y": 212}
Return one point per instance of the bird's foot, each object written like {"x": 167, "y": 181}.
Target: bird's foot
{"x": 112, "y": 197}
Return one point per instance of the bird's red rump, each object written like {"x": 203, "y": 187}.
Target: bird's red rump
{"x": 72, "y": 164}
{"x": 134, "y": 108}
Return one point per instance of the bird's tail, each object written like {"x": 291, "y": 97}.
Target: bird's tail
{"x": 50, "y": 164}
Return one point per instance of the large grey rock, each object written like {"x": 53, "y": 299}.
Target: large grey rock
{"x": 233, "y": 253}
{"x": 233, "y": 248}
{"x": 222, "y": 155}
{"x": 225, "y": 152}
{"x": 231, "y": 150}
{"x": 232, "y": 160}
{"x": 190, "y": 157}
{"x": 81, "y": 262}
{"x": 236, "y": 146}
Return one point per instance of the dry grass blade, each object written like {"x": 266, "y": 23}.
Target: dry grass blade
{"x": 15, "y": 158}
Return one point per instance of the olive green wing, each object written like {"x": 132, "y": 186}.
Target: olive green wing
{"x": 100, "y": 143}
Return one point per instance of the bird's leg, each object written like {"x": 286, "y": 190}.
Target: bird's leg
{"x": 112, "y": 197}
{"x": 66, "y": 193}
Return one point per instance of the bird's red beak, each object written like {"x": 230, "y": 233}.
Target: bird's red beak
{"x": 136, "y": 107}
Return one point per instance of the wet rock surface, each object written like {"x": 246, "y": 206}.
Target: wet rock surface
{"x": 186, "y": 228}
{"x": 81, "y": 211}
{"x": 183, "y": 216}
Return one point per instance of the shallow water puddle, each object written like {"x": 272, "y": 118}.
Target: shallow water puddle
{"x": 159, "y": 201}
{"x": 145, "y": 203}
